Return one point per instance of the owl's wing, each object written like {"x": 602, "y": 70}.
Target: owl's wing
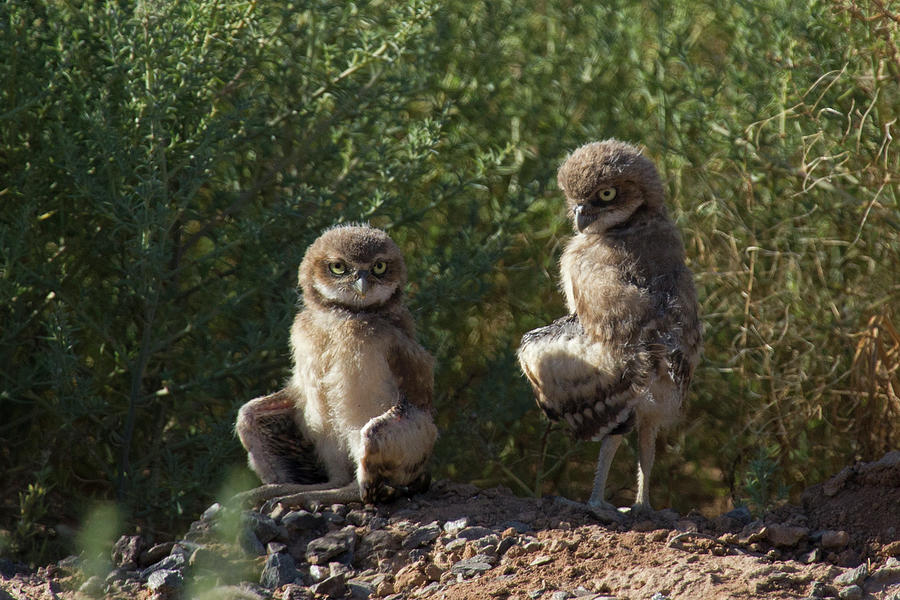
{"x": 279, "y": 450}
{"x": 590, "y": 385}
{"x": 673, "y": 334}
{"x": 413, "y": 368}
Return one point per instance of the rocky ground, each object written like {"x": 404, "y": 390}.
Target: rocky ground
{"x": 459, "y": 542}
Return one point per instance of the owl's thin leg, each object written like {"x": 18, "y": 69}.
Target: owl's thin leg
{"x": 646, "y": 454}
{"x": 607, "y": 451}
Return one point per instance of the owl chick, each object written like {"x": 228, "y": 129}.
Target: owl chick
{"x": 625, "y": 355}
{"x": 354, "y": 421}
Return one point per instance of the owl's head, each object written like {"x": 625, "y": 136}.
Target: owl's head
{"x": 607, "y": 184}
{"x": 353, "y": 266}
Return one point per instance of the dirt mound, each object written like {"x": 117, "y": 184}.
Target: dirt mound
{"x": 460, "y": 542}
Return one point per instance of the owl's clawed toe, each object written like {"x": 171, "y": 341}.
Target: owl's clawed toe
{"x": 378, "y": 492}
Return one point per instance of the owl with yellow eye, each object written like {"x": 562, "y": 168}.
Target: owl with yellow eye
{"x": 354, "y": 422}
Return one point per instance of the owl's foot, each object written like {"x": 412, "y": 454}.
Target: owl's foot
{"x": 380, "y": 492}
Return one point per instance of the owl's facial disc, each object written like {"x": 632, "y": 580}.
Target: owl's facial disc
{"x": 606, "y": 208}
{"x": 357, "y": 285}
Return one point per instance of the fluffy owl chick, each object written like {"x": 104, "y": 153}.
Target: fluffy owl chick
{"x": 624, "y": 357}
{"x": 355, "y": 419}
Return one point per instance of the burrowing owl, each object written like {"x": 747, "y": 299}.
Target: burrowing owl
{"x": 354, "y": 421}
{"x": 624, "y": 356}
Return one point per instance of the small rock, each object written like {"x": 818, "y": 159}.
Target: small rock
{"x": 359, "y": 589}
{"x": 173, "y": 562}
{"x": 165, "y": 581}
{"x": 333, "y": 587}
{"x": 127, "y": 551}
{"x": 319, "y": 572}
{"x": 433, "y": 572}
{"x": 212, "y": 512}
{"x": 379, "y": 543}
{"x": 479, "y": 563}
{"x": 322, "y": 550}
{"x": 818, "y": 589}
{"x": 275, "y": 547}
{"x": 293, "y": 591}
{"x": 474, "y": 533}
{"x": 278, "y": 570}
{"x": 263, "y": 526}
{"x": 807, "y": 558}
{"x": 659, "y": 596}
{"x": 560, "y": 595}
{"x": 154, "y": 554}
{"x": 519, "y": 526}
{"x": 93, "y": 586}
{"x": 249, "y": 543}
{"x": 853, "y": 592}
{"x": 740, "y": 514}
{"x": 505, "y": 544}
{"x": 889, "y": 574}
{"x": 540, "y": 560}
{"x": 785, "y": 535}
{"x": 835, "y": 540}
{"x": 422, "y": 535}
{"x": 302, "y": 521}
{"x": 409, "y": 577}
{"x": 359, "y": 518}
{"x": 852, "y": 577}
{"x": 892, "y": 549}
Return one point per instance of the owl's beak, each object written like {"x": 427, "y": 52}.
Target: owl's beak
{"x": 362, "y": 284}
{"x": 581, "y": 220}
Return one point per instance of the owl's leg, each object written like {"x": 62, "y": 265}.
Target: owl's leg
{"x": 396, "y": 447}
{"x": 608, "y": 448}
{"x": 646, "y": 454}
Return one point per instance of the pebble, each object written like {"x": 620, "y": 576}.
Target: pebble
{"x": 263, "y": 526}
{"x": 422, "y": 536}
{"x": 278, "y": 570}
{"x": 785, "y": 535}
{"x": 474, "y": 533}
{"x": 249, "y": 543}
{"x": 333, "y": 587}
{"x": 455, "y": 526}
{"x": 173, "y": 562}
{"x": 853, "y": 592}
{"x": 165, "y": 581}
{"x": 293, "y": 591}
{"x": 479, "y": 563}
{"x": 322, "y": 550}
{"x": 93, "y": 586}
{"x": 302, "y": 521}
{"x": 155, "y": 553}
{"x": 541, "y": 559}
{"x": 127, "y": 551}
{"x": 835, "y": 540}
{"x": 852, "y": 577}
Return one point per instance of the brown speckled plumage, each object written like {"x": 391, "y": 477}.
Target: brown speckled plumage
{"x": 625, "y": 355}
{"x": 358, "y": 404}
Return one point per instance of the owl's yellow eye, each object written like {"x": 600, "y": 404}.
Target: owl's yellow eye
{"x": 607, "y": 195}
{"x": 379, "y": 267}
{"x": 338, "y": 268}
